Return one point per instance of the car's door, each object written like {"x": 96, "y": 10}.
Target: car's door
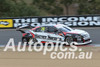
{"x": 41, "y": 34}
{"x": 47, "y": 34}
{"x": 53, "y": 35}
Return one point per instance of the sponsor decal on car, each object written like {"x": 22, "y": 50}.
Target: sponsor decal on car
{"x": 6, "y": 23}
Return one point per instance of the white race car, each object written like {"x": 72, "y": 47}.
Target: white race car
{"x": 55, "y": 33}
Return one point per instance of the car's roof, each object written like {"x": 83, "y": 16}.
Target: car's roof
{"x": 56, "y": 25}
{"x": 48, "y": 25}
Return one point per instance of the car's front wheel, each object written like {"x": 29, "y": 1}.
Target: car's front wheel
{"x": 69, "y": 40}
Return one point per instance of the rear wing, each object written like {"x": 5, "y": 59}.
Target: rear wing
{"x": 22, "y": 31}
{"x": 19, "y": 28}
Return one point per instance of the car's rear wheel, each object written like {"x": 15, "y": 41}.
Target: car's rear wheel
{"x": 33, "y": 40}
{"x": 29, "y": 40}
{"x": 25, "y": 40}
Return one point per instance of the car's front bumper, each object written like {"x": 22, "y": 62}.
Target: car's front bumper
{"x": 85, "y": 43}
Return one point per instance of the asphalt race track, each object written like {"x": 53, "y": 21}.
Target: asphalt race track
{"x": 5, "y": 35}
{"x": 37, "y": 59}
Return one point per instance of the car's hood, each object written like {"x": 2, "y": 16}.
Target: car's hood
{"x": 77, "y": 31}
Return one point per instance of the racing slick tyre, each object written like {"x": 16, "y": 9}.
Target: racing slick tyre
{"x": 33, "y": 40}
{"x": 25, "y": 40}
{"x": 28, "y": 40}
{"x": 69, "y": 40}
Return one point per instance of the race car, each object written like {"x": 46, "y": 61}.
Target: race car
{"x": 56, "y": 33}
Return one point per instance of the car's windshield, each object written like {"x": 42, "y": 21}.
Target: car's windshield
{"x": 65, "y": 28}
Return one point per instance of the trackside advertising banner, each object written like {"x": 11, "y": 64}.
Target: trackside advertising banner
{"x": 72, "y": 21}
